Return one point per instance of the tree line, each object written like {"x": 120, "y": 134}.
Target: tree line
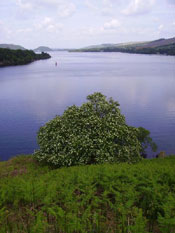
{"x": 10, "y": 57}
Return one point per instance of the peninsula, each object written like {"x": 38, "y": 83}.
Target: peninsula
{"x": 9, "y": 57}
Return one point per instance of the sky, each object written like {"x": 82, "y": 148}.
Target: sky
{"x": 80, "y": 23}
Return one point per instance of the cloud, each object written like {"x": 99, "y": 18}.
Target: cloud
{"x": 108, "y": 28}
{"x": 104, "y": 8}
{"x": 4, "y": 28}
{"x": 49, "y": 25}
{"x": 91, "y": 5}
{"x": 112, "y": 24}
{"x": 159, "y": 30}
{"x": 107, "y": 8}
{"x": 23, "y": 4}
{"x": 106, "y": 11}
{"x": 5, "y": 32}
{"x": 137, "y": 7}
{"x": 24, "y": 30}
{"x": 66, "y": 10}
{"x": 51, "y": 2}
{"x": 161, "y": 27}
{"x": 107, "y": 3}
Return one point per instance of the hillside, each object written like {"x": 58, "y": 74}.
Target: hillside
{"x": 104, "y": 198}
{"x": 10, "y": 57}
{"x": 11, "y": 46}
{"x": 104, "y": 46}
{"x": 159, "y": 43}
{"x": 42, "y": 49}
{"x": 161, "y": 46}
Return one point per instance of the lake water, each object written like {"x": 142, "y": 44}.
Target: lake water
{"x": 33, "y": 94}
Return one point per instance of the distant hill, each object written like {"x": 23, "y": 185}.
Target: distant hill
{"x": 103, "y": 46}
{"x": 100, "y": 46}
{"x": 158, "y": 43}
{"x": 43, "y": 49}
{"x": 161, "y": 46}
{"x": 11, "y": 46}
{"x": 143, "y": 44}
{"x": 47, "y": 49}
{"x": 56, "y": 49}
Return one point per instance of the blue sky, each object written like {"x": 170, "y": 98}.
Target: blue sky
{"x": 79, "y": 23}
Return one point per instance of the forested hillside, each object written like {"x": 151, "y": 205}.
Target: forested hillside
{"x": 161, "y": 46}
{"x": 10, "y": 57}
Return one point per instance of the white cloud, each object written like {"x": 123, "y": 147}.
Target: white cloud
{"x": 24, "y": 30}
{"x": 161, "y": 27}
{"x": 91, "y": 5}
{"x": 105, "y": 9}
{"x": 156, "y": 19}
{"x": 24, "y": 5}
{"x": 47, "y": 21}
{"x": 66, "y": 10}
{"x": 107, "y": 3}
{"x": 5, "y": 32}
{"x": 43, "y": 24}
{"x": 139, "y": 7}
{"x": 112, "y": 24}
{"x": 54, "y": 27}
{"x": 34, "y": 22}
{"x": 108, "y": 28}
{"x": 49, "y": 25}
{"x": 52, "y": 2}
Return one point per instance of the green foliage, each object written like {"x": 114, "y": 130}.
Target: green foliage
{"x": 95, "y": 132}
{"x": 146, "y": 140}
{"x": 167, "y": 218}
{"x": 10, "y": 57}
{"x": 136, "y": 198}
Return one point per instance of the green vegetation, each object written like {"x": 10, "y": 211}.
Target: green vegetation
{"x": 161, "y": 46}
{"x": 93, "y": 133}
{"x": 10, "y": 57}
{"x": 109, "y": 197}
{"x": 122, "y": 198}
{"x": 165, "y": 50}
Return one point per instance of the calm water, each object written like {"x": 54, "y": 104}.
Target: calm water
{"x": 31, "y": 95}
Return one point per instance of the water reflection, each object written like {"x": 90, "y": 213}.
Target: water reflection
{"x": 33, "y": 94}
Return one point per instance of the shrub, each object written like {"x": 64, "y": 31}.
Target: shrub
{"x": 137, "y": 198}
{"x": 95, "y": 132}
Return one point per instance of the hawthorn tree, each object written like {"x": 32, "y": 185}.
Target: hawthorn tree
{"x": 93, "y": 133}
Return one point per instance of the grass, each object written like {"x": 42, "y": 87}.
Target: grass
{"x": 98, "y": 198}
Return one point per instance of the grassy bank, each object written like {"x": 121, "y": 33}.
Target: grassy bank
{"x": 98, "y": 198}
